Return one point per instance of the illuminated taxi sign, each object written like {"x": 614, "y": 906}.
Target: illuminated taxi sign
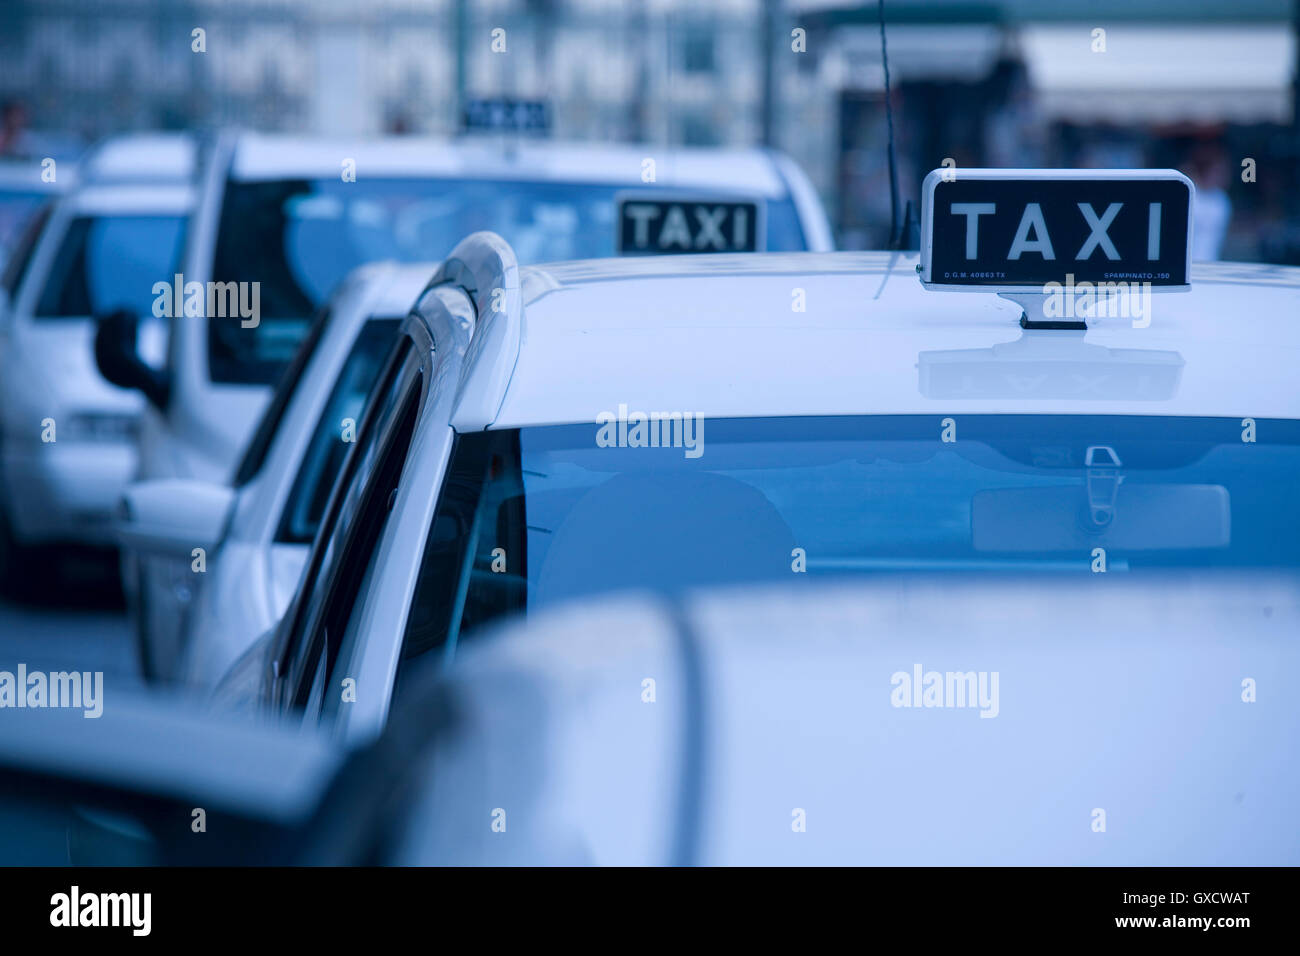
{"x": 1016, "y": 230}
{"x": 655, "y": 224}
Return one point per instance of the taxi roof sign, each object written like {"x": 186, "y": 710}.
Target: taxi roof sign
{"x": 1017, "y": 230}
{"x": 663, "y": 222}
{"x": 506, "y": 114}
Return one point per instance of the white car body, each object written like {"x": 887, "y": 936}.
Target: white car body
{"x": 207, "y": 423}
{"x": 205, "y": 430}
{"x": 774, "y": 737}
{"x": 62, "y": 485}
{"x": 717, "y": 336}
{"x": 252, "y": 575}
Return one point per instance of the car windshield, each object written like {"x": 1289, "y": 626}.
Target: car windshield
{"x": 259, "y": 446}
{"x": 535, "y": 516}
{"x": 16, "y": 208}
{"x": 110, "y": 262}
{"x": 295, "y": 238}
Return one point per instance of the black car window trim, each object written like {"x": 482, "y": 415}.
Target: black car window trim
{"x": 360, "y": 538}
{"x": 303, "y": 608}
{"x": 348, "y": 501}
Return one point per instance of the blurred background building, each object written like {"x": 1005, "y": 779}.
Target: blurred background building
{"x": 1205, "y": 86}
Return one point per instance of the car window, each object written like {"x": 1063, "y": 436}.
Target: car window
{"x": 15, "y": 268}
{"x": 357, "y": 552}
{"x": 294, "y": 238}
{"x": 338, "y": 420}
{"x": 784, "y": 231}
{"x": 260, "y": 444}
{"x": 111, "y": 262}
{"x": 542, "y": 515}
{"x": 348, "y": 529}
{"x": 462, "y": 582}
{"x": 17, "y": 209}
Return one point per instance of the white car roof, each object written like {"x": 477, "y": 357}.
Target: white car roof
{"x": 388, "y": 289}
{"x": 718, "y": 335}
{"x": 120, "y": 199}
{"x": 142, "y": 157}
{"x": 260, "y": 156}
{"x": 21, "y": 176}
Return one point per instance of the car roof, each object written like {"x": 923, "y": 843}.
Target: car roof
{"x": 23, "y": 176}
{"x": 719, "y": 335}
{"x": 260, "y": 156}
{"x": 390, "y": 288}
{"x": 133, "y": 199}
{"x": 142, "y": 157}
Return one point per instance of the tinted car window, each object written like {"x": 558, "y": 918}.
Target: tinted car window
{"x": 111, "y": 262}
{"x": 15, "y": 268}
{"x": 355, "y": 553}
{"x": 784, "y": 233}
{"x": 16, "y": 209}
{"x": 858, "y": 495}
{"x": 333, "y": 433}
{"x": 298, "y": 656}
{"x": 295, "y": 238}
{"x": 260, "y": 444}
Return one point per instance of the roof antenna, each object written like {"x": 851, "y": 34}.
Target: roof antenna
{"x": 897, "y": 231}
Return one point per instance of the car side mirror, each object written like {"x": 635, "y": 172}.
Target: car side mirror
{"x": 117, "y": 354}
{"x": 172, "y": 516}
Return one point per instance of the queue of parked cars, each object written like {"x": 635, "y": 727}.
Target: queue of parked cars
{"x": 526, "y": 461}
{"x": 68, "y": 438}
{"x": 281, "y": 220}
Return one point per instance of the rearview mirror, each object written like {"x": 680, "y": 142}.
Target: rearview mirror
{"x": 117, "y": 355}
{"x": 1144, "y": 518}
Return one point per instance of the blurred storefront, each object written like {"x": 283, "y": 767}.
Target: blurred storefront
{"x": 1196, "y": 84}
{"x": 1206, "y": 88}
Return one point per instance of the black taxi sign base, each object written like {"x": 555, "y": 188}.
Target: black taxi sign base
{"x": 1017, "y": 230}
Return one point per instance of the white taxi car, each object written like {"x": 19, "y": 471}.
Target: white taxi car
{"x": 252, "y": 535}
{"x": 282, "y": 219}
{"x": 662, "y": 424}
{"x": 1056, "y": 720}
{"x": 67, "y": 437}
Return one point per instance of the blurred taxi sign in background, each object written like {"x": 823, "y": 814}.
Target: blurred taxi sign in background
{"x": 658, "y": 225}
{"x": 1014, "y": 230}
{"x": 504, "y": 114}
